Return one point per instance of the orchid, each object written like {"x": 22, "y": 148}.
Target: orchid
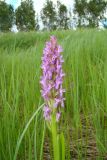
{"x": 52, "y": 79}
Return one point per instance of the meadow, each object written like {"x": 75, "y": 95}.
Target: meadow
{"x": 84, "y": 120}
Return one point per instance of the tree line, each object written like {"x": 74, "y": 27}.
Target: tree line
{"x": 86, "y": 13}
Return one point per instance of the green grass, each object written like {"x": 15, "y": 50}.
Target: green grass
{"x": 85, "y": 113}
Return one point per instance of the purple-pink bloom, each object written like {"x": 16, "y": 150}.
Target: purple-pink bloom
{"x": 52, "y": 78}
{"x": 58, "y": 116}
{"x": 47, "y": 113}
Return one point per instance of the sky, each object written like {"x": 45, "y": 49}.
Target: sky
{"x": 38, "y": 4}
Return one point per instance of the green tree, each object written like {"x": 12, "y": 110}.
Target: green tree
{"x": 80, "y": 8}
{"x": 95, "y": 10}
{"x": 63, "y": 19}
{"x": 89, "y": 12}
{"x": 6, "y": 16}
{"x": 25, "y": 16}
{"x": 37, "y": 27}
{"x": 48, "y": 15}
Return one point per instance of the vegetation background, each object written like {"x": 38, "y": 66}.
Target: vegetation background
{"x": 85, "y": 14}
{"x": 84, "y": 119}
{"x": 85, "y": 114}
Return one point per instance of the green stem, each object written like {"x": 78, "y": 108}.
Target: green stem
{"x": 55, "y": 139}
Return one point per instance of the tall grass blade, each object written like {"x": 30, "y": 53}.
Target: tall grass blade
{"x": 24, "y": 131}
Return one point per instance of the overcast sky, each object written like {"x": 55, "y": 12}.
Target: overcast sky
{"x": 38, "y": 4}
